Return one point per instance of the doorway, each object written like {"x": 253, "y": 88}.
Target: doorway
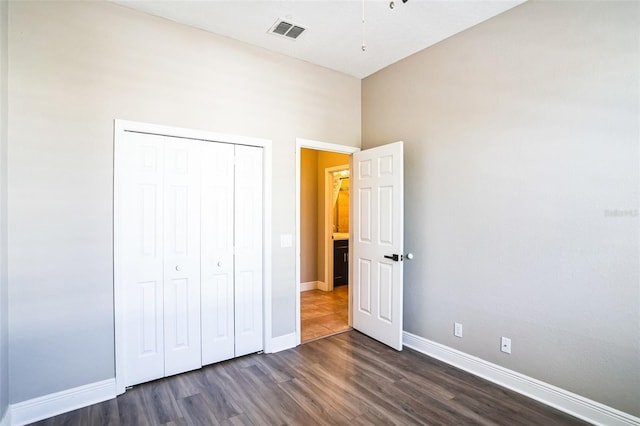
{"x": 376, "y": 233}
{"x": 323, "y": 238}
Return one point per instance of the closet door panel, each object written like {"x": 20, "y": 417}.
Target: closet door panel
{"x": 141, "y": 258}
{"x": 248, "y": 242}
{"x": 182, "y": 255}
{"x": 217, "y": 252}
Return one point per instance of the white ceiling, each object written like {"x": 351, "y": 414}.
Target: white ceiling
{"x": 335, "y": 31}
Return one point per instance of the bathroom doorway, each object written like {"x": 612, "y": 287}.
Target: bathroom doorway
{"x": 324, "y": 243}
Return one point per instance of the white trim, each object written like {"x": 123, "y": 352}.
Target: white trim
{"x": 284, "y": 342}
{"x": 181, "y": 132}
{"x": 267, "y": 200}
{"x": 322, "y": 285}
{"x": 325, "y": 146}
{"x": 64, "y": 401}
{"x": 118, "y": 136}
{"x": 122, "y": 126}
{"x": 563, "y": 400}
{"x": 321, "y": 146}
{"x": 311, "y": 285}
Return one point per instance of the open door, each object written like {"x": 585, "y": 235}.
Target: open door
{"x": 377, "y": 235}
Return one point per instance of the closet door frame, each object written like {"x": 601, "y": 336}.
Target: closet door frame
{"x": 121, "y": 127}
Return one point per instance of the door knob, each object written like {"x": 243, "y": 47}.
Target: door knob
{"x": 178, "y": 268}
{"x": 219, "y": 263}
{"x": 394, "y": 257}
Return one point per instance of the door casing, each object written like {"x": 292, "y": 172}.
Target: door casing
{"x": 320, "y": 146}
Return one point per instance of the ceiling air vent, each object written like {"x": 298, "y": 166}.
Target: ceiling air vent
{"x": 287, "y": 29}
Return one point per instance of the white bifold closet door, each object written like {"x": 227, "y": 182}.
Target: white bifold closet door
{"x": 231, "y": 251}
{"x": 191, "y": 253}
{"x": 161, "y": 256}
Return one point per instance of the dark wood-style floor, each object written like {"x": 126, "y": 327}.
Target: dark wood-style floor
{"x": 346, "y": 379}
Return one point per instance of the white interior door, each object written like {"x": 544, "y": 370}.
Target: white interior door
{"x": 181, "y": 255}
{"x": 248, "y": 250}
{"x": 377, "y": 247}
{"x": 218, "y": 343}
{"x": 142, "y": 256}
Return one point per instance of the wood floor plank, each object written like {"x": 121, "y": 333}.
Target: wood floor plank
{"x": 216, "y": 396}
{"x": 290, "y": 411}
{"x": 197, "y": 411}
{"x": 105, "y": 413}
{"x": 238, "y": 391}
{"x": 275, "y": 368}
{"x": 369, "y": 387}
{"x": 132, "y": 410}
{"x": 322, "y": 411}
{"x": 160, "y": 402}
{"x": 260, "y": 404}
{"x": 239, "y": 420}
{"x": 344, "y": 379}
{"x": 344, "y": 402}
{"x": 371, "y": 418}
{"x": 187, "y": 384}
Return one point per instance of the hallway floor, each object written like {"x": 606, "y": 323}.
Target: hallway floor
{"x": 324, "y": 313}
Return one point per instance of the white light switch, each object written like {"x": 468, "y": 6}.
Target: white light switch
{"x": 286, "y": 240}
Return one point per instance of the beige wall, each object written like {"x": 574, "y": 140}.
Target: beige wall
{"x": 74, "y": 67}
{"x": 308, "y": 215}
{"x": 521, "y": 200}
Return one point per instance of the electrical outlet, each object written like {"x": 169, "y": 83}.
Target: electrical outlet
{"x": 505, "y": 345}
{"x": 457, "y": 329}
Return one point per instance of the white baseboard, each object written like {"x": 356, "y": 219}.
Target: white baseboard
{"x": 323, "y": 286}
{"x": 311, "y": 285}
{"x": 563, "y": 400}
{"x": 6, "y": 419}
{"x": 282, "y": 343}
{"x": 64, "y": 401}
